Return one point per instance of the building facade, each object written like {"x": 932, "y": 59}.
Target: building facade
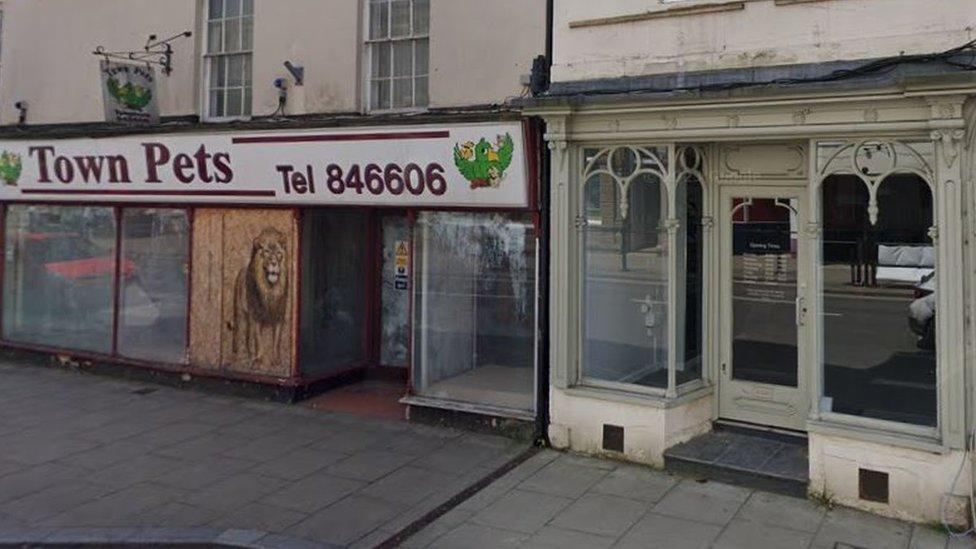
{"x": 762, "y": 216}
{"x": 289, "y": 195}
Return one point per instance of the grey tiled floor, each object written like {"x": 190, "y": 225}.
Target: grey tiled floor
{"x": 565, "y": 501}
{"x": 80, "y": 452}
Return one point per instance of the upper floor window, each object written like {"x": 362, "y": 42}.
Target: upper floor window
{"x": 230, "y": 38}
{"x": 398, "y": 53}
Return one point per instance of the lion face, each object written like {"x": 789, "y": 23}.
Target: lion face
{"x": 269, "y": 253}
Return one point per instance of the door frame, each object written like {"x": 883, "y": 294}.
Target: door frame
{"x": 748, "y": 401}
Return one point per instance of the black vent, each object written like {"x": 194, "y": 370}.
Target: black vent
{"x": 872, "y": 485}
{"x": 613, "y": 438}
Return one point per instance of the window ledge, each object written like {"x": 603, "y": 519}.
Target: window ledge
{"x": 831, "y": 427}
{"x": 638, "y": 399}
{"x": 469, "y": 407}
{"x": 662, "y": 12}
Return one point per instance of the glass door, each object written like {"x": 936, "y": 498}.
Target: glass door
{"x": 763, "y": 307}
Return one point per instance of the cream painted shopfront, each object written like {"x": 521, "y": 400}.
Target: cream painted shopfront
{"x": 793, "y": 262}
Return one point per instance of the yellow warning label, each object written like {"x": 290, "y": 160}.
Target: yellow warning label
{"x": 401, "y": 248}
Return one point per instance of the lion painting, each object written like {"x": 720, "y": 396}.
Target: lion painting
{"x": 261, "y": 300}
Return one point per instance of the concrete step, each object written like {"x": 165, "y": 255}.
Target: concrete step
{"x": 765, "y": 461}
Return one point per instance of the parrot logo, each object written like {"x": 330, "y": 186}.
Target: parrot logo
{"x": 10, "y": 166}
{"x": 131, "y": 95}
{"x": 483, "y": 164}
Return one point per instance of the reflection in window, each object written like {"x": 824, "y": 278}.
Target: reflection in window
{"x": 625, "y": 271}
{"x": 691, "y": 246}
{"x": 59, "y": 272}
{"x": 333, "y": 320}
{"x": 764, "y": 290}
{"x": 474, "y": 338}
{"x": 879, "y": 289}
{"x": 153, "y": 288}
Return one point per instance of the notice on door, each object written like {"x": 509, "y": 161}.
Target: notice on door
{"x": 401, "y": 265}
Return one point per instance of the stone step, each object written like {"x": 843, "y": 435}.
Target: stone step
{"x": 771, "y": 462}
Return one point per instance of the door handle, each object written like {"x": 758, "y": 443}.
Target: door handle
{"x": 801, "y": 310}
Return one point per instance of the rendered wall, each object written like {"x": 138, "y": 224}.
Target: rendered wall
{"x": 46, "y": 55}
{"x": 576, "y": 423}
{"x": 237, "y": 322}
{"x": 917, "y": 479}
{"x": 478, "y": 52}
{"x": 764, "y": 32}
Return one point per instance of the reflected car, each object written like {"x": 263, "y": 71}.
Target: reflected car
{"x": 921, "y": 312}
{"x": 78, "y": 273}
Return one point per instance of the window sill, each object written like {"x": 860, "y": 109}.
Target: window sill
{"x": 921, "y": 438}
{"x": 666, "y": 10}
{"x": 469, "y": 407}
{"x": 638, "y": 399}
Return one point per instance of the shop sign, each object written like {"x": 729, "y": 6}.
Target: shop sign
{"x": 129, "y": 93}
{"x": 401, "y": 268}
{"x": 471, "y": 165}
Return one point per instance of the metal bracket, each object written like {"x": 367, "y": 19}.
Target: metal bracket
{"x": 155, "y": 52}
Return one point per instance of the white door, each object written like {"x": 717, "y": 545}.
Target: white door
{"x": 763, "y": 306}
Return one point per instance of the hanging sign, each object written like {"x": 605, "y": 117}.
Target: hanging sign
{"x": 470, "y": 165}
{"x": 401, "y": 266}
{"x": 129, "y": 93}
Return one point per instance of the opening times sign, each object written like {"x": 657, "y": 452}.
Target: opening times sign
{"x": 470, "y": 165}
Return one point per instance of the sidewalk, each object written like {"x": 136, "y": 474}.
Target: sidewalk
{"x": 93, "y": 459}
{"x": 565, "y": 501}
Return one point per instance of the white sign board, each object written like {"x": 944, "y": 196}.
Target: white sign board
{"x": 469, "y": 165}
{"x": 129, "y": 93}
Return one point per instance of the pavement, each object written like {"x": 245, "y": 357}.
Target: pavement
{"x": 92, "y": 459}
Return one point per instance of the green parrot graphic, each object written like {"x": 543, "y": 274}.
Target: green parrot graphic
{"x": 10, "y": 166}
{"x": 482, "y": 163}
{"x": 131, "y": 95}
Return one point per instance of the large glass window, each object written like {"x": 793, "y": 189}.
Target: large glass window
{"x": 627, "y": 268}
{"x": 59, "y": 273}
{"x": 398, "y": 53}
{"x": 474, "y": 338}
{"x": 879, "y": 288}
{"x": 230, "y": 41}
{"x": 153, "y": 284}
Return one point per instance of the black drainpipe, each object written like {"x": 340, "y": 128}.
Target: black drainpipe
{"x": 542, "y": 356}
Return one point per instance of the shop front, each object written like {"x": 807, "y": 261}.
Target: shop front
{"x": 790, "y": 265}
{"x": 291, "y": 260}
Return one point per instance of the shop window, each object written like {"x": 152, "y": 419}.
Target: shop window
{"x": 153, "y": 284}
{"x": 878, "y": 300}
{"x": 474, "y": 302}
{"x": 59, "y": 273}
{"x": 398, "y": 53}
{"x": 230, "y": 41}
{"x": 627, "y": 271}
{"x": 333, "y": 303}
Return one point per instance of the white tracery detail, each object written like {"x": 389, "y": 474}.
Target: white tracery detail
{"x": 873, "y": 161}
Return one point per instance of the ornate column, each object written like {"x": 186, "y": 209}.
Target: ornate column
{"x": 563, "y": 315}
{"x": 948, "y": 239}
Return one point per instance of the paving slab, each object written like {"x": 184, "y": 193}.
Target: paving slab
{"x": 601, "y": 514}
{"x": 522, "y": 511}
{"x": 708, "y": 502}
{"x": 745, "y": 534}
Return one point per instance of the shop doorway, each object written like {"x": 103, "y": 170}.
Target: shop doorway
{"x": 763, "y": 306}
{"x": 355, "y": 303}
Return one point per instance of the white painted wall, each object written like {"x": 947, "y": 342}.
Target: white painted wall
{"x": 917, "y": 479}
{"x": 46, "y": 54}
{"x": 763, "y": 33}
{"x": 478, "y": 51}
{"x": 576, "y": 423}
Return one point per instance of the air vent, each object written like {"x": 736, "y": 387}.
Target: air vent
{"x": 872, "y": 485}
{"x": 613, "y": 438}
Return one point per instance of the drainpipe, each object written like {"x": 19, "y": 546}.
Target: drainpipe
{"x": 542, "y": 357}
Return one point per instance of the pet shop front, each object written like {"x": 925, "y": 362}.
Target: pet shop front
{"x": 289, "y": 260}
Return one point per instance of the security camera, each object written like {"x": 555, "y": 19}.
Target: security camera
{"x": 22, "y": 107}
{"x": 280, "y": 83}
{"x": 298, "y": 73}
